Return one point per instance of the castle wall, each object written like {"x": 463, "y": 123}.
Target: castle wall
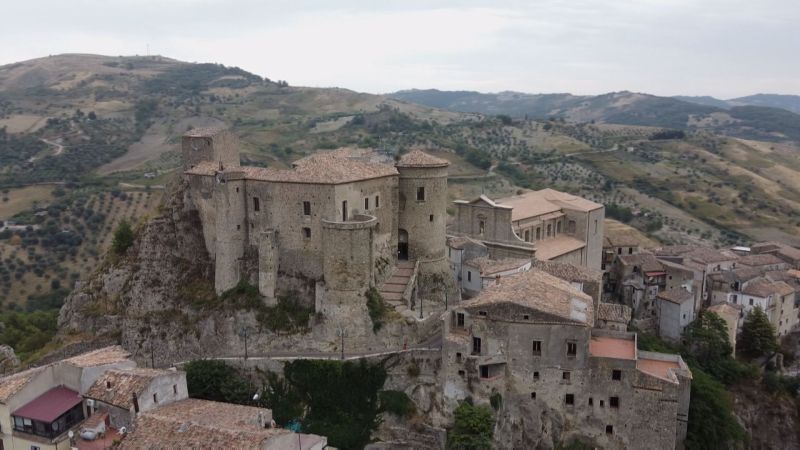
{"x": 281, "y": 210}
{"x": 200, "y": 196}
{"x": 384, "y": 235}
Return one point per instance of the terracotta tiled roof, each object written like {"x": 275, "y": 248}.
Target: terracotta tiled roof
{"x": 707, "y": 255}
{"x": 320, "y": 168}
{"x": 764, "y": 259}
{"x": 459, "y": 242}
{"x": 539, "y": 291}
{"x": 99, "y": 357}
{"x": 418, "y": 158}
{"x": 740, "y": 274}
{"x": 193, "y": 423}
{"x": 646, "y": 261}
{"x": 11, "y": 384}
{"x": 124, "y": 384}
{"x": 554, "y": 247}
{"x": 620, "y": 238}
{"x": 203, "y": 132}
{"x": 614, "y": 312}
{"x": 763, "y": 287}
{"x": 612, "y": 347}
{"x": 677, "y": 296}
{"x": 492, "y": 266}
{"x": 777, "y": 248}
{"x": 569, "y": 272}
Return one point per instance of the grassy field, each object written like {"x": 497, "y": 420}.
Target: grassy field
{"x": 21, "y": 199}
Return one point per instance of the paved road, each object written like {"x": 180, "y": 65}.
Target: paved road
{"x": 290, "y": 356}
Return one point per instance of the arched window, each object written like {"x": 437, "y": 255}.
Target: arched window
{"x": 571, "y": 227}
{"x": 558, "y": 227}
{"x": 549, "y": 229}
{"x": 538, "y": 233}
{"x": 527, "y": 235}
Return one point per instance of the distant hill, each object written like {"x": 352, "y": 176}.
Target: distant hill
{"x": 734, "y": 117}
{"x": 788, "y": 102}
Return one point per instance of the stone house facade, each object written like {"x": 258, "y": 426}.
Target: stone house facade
{"x": 554, "y": 225}
{"x": 530, "y": 340}
{"x": 675, "y": 310}
{"x": 327, "y": 229}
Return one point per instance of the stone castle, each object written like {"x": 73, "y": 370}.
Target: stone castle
{"x": 327, "y": 229}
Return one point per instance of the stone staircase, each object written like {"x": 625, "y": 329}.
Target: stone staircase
{"x": 395, "y": 286}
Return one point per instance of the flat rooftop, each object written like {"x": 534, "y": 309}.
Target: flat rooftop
{"x": 612, "y": 347}
{"x": 657, "y": 368}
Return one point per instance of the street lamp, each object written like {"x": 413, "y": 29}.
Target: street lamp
{"x": 243, "y": 334}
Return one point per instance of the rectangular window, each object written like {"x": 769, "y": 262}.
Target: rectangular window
{"x": 460, "y": 320}
{"x": 483, "y": 313}
{"x": 420, "y": 194}
{"x": 572, "y": 348}
{"x": 476, "y": 346}
{"x": 462, "y": 374}
{"x": 175, "y": 389}
{"x": 591, "y": 401}
{"x": 484, "y": 371}
{"x": 537, "y": 348}
{"x": 256, "y": 204}
{"x": 155, "y": 398}
{"x": 609, "y": 429}
{"x": 566, "y": 376}
{"x": 306, "y": 208}
{"x": 307, "y": 232}
{"x": 344, "y": 211}
{"x": 536, "y": 376}
{"x": 569, "y": 399}
{"x": 613, "y": 402}
{"x": 469, "y": 276}
{"x": 458, "y": 357}
{"x": 616, "y": 374}
{"x": 377, "y": 201}
{"x": 481, "y": 227}
{"x": 533, "y": 395}
{"x": 431, "y": 218}
{"x": 751, "y": 302}
{"x": 366, "y": 203}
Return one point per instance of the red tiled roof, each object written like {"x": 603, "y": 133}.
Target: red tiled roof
{"x": 51, "y": 405}
{"x": 418, "y": 158}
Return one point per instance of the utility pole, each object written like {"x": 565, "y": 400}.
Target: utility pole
{"x": 341, "y": 335}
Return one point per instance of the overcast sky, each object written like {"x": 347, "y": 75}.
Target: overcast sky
{"x": 725, "y": 48}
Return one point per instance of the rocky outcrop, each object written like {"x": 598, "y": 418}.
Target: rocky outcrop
{"x": 771, "y": 421}
{"x": 9, "y": 362}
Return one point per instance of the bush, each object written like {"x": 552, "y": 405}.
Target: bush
{"x": 377, "y": 308}
{"x": 711, "y": 422}
{"x": 123, "y": 238}
{"x": 217, "y": 381}
{"x": 473, "y": 428}
{"x": 397, "y": 403}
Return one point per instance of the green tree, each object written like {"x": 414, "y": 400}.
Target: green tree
{"x": 282, "y": 398}
{"x": 711, "y": 422}
{"x": 758, "y": 336}
{"x": 217, "y": 381}
{"x": 473, "y": 428}
{"x": 123, "y": 237}
{"x": 707, "y": 346}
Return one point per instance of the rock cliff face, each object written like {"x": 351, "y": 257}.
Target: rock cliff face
{"x": 772, "y": 421}
{"x": 158, "y": 301}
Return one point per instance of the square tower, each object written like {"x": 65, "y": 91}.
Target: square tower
{"x": 219, "y": 145}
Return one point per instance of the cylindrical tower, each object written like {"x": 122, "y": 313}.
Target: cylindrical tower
{"x": 423, "y": 221}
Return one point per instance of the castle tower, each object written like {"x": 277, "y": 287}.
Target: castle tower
{"x": 231, "y": 228}
{"x": 423, "y": 220}
{"x": 348, "y": 262}
{"x": 219, "y": 145}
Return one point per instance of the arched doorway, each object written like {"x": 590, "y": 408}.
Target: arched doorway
{"x": 402, "y": 245}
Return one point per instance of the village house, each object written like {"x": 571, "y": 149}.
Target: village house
{"x": 731, "y": 314}
{"x": 582, "y": 278}
{"x": 478, "y": 273}
{"x": 618, "y": 243}
{"x": 192, "y": 423}
{"x": 530, "y": 339}
{"x": 552, "y": 225}
{"x": 776, "y": 298}
{"x": 613, "y": 316}
{"x": 41, "y": 405}
{"x": 785, "y": 252}
{"x": 675, "y": 311}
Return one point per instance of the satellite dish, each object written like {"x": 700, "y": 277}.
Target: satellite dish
{"x": 71, "y": 434}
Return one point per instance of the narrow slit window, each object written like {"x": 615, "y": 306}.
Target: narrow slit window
{"x": 366, "y": 204}
{"x": 421, "y": 194}
{"x": 306, "y": 208}
{"x": 256, "y": 204}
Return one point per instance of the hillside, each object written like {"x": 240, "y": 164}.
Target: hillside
{"x": 749, "y": 117}
{"x": 788, "y": 102}
{"x": 103, "y": 133}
